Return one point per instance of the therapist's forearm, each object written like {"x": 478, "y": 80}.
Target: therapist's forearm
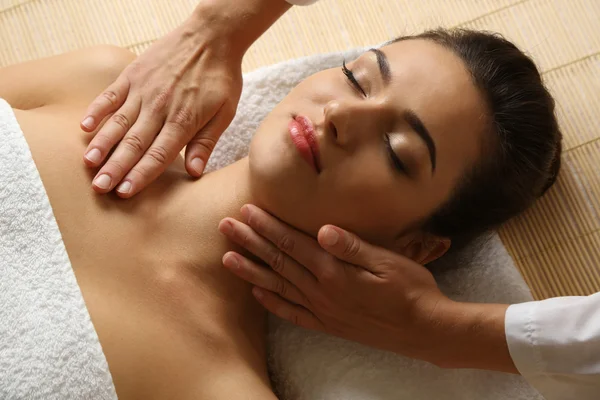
{"x": 471, "y": 335}
{"x": 239, "y": 22}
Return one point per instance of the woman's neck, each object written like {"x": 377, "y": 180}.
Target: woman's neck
{"x": 189, "y": 215}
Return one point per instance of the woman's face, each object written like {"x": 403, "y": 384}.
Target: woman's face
{"x": 374, "y": 150}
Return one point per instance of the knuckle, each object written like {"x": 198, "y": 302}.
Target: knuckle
{"x": 141, "y": 174}
{"x": 286, "y": 244}
{"x": 117, "y": 169}
{"x": 103, "y": 142}
{"x": 386, "y": 263}
{"x": 183, "y": 118}
{"x": 121, "y": 120}
{"x": 159, "y": 102}
{"x": 134, "y": 144}
{"x": 158, "y": 154}
{"x": 207, "y": 142}
{"x": 111, "y": 97}
{"x": 352, "y": 247}
{"x": 277, "y": 261}
{"x": 281, "y": 288}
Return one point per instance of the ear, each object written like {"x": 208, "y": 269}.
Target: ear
{"x": 424, "y": 248}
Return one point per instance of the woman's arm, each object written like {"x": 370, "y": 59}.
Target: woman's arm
{"x": 65, "y": 79}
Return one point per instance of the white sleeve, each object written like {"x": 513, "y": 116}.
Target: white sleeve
{"x": 301, "y": 2}
{"x": 555, "y": 345}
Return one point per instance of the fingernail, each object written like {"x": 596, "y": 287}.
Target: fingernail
{"x": 93, "y": 156}
{"x": 103, "y": 181}
{"x": 258, "y": 293}
{"x": 331, "y": 237}
{"x": 231, "y": 261}
{"x": 197, "y": 165}
{"x": 124, "y": 187}
{"x": 245, "y": 210}
{"x": 88, "y": 122}
{"x": 226, "y": 227}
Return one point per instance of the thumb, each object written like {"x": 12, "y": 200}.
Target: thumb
{"x": 350, "y": 248}
{"x": 199, "y": 149}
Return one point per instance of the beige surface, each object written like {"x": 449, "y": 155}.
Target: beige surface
{"x": 556, "y": 244}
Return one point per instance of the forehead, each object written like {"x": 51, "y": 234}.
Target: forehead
{"x": 429, "y": 76}
{"x": 434, "y": 83}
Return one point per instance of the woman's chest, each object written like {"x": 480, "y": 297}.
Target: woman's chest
{"x": 156, "y": 321}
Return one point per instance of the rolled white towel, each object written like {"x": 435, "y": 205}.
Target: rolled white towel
{"x": 48, "y": 346}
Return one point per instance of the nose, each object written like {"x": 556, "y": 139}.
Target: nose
{"x": 350, "y": 121}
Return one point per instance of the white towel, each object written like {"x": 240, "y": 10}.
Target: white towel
{"x": 310, "y": 365}
{"x": 48, "y": 346}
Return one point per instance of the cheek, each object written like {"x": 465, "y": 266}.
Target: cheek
{"x": 369, "y": 201}
{"x": 282, "y": 185}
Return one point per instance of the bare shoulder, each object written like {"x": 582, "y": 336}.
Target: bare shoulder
{"x": 75, "y": 77}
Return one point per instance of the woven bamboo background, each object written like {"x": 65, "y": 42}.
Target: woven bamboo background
{"x": 556, "y": 245}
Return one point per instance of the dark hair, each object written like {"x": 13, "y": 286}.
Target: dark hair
{"x": 522, "y": 154}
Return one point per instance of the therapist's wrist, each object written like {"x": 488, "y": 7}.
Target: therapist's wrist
{"x": 471, "y": 335}
{"x": 232, "y": 26}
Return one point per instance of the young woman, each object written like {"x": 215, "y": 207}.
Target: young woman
{"x": 427, "y": 140}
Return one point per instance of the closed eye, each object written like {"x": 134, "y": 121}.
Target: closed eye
{"x": 352, "y": 79}
{"x": 396, "y": 162}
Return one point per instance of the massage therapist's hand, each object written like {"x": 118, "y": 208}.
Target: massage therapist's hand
{"x": 183, "y": 90}
{"x": 340, "y": 285}
{"x": 344, "y": 286}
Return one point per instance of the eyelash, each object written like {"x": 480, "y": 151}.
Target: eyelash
{"x": 352, "y": 79}
{"x": 399, "y": 165}
{"x": 393, "y": 157}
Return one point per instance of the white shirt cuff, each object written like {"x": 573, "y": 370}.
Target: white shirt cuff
{"x": 520, "y": 332}
{"x": 555, "y": 345}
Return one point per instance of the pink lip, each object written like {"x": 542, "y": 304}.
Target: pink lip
{"x": 304, "y": 138}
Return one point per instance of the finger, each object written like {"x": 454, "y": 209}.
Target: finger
{"x": 158, "y": 157}
{"x": 348, "y": 247}
{"x": 263, "y": 277}
{"x": 296, "y": 314}
{"x": 131, "y": 148}
{"x": 111, "y": 133}
{"x": 300, "y": 247}
{"x": 199, "y": 149}
{"x": 279, "y": 262}
{"x": 106, "y": 103}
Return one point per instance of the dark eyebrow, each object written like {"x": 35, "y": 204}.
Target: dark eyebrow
{"x": 384, "y": 65}
{"x": 415, "y": 122}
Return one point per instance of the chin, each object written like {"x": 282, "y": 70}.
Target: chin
{"x": 282, "y": 190}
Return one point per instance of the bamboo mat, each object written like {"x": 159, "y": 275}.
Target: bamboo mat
{"x": 556, "y": 245}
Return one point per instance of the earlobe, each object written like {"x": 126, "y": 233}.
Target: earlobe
{"x": 435, "y": 247}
